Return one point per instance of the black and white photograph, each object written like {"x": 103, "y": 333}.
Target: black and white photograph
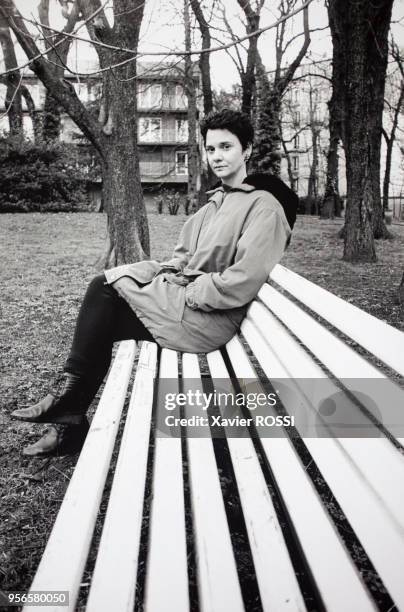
{"x": 202, "y": 305}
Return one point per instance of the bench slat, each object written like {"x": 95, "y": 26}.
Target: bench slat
{"x": 122, "y": 527}
{"x": 378, "y": 461}
{"x": 333, "y": 352}
{"x": 340, "y": 587}
{"x": 65, "y": 556}
{"x": 167, "y": 573}
{"x": 219, "y": 587}
{"x": 374, "y": 335}
{"x": 356, "y": 490}
{"x": 276, "y": 578}
{"x": 341, "y": 360}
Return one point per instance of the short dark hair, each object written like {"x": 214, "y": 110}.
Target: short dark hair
{"x": 236, "y": 122}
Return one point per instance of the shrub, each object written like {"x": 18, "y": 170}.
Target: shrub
{"x": 173, "y": 202}
{"x": 40, "y": 177}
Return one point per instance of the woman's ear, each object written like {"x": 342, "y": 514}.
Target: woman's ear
{"x": 247, "y": 152}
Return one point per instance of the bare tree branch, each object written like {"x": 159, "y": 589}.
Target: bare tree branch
{"x": 310, "y": 74}
{"x": 41, "y": 54}
{"x": 293, "y": 38}
{"x": 181, "y": 53}
{"x": 306, "y": 43}
{"x": 239, "y": 62}
{"x": 63, "y": 93}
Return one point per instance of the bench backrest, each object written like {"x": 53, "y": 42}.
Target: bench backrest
{"x": 383, "y": 341}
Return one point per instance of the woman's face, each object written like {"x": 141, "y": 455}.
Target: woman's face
{"x": 226, "y": 156}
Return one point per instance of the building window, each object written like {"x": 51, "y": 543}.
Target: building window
{"x": 296, "y": 117}
{"x": 181, "y": 162}
{"x": 295, "y": 162}
{"x": 181, "y": 130}
{"x": 149, "y": 95}
{"x": 149, "y": 129}
{"x": 180, "y": 97}
{"x": 295, "y": 185}
{"x": 296, "y": 142}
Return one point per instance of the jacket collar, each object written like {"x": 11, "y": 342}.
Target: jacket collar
{"x": 243, "y": 187}
{"x": 217, "y": 194}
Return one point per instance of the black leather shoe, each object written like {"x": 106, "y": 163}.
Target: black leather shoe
{"x": 59, "y": 440}
{"x": 66, "y": 404}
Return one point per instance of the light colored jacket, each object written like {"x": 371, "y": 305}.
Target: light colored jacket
{"x": 225, "y": 253}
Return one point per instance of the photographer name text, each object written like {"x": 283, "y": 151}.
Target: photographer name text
{"x": 236, "y": 421}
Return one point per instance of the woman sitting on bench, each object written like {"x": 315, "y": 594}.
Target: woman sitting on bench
{"x": 193, "y": 303}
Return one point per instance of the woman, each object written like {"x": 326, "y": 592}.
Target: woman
{"x": 196, "y": 301}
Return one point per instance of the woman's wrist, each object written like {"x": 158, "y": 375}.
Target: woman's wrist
{"x": 190, "y": 297}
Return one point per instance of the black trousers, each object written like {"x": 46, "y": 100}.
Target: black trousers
{"x": 104, "y": 318}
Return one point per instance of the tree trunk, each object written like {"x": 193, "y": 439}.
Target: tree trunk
{"x": 207, "y": 176}
{"x": 358, "y": 236}
{"x": 331, "y": 205}
{"x": 387, "y": 171}
{"x": 313, "y": 176}
{"x": 190, "y": 89}
{"x": 248, "y": 76}
{"x": 122, "y": 190}
{"x": 288, "y": 164}
{"x": 128, "y": 235}
{"x": 204, "y": 58}
{"x": 12, "y": 80}
{"x": 378, "y": 224}
{"x": 128, "y": 232}
{"x": 51, "y": 119}
{"x": 33, "y": 113}
{"x": 359, "y": 30}
{"x": 266, "y": 156}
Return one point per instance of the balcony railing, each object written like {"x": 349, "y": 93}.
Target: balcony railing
{"x": 162, "y": 170}
{"x": 162, "y": 136}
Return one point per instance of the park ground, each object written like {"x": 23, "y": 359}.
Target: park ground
{"x": 47, "y": 259}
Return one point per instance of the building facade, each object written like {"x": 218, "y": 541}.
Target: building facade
{"x": 162, "y": 119}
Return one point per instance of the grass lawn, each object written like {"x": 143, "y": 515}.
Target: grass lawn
{"x": 47, "y": 260}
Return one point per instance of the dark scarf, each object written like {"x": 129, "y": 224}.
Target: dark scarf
{"x": 286, "y": 197}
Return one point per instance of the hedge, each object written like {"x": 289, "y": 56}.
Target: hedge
{"x": 40, "y": 177}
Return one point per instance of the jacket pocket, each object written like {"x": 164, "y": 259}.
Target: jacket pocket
{"x": 142, "y": 271}
{"x": 175, "y": 300}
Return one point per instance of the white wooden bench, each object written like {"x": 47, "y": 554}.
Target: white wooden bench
{"x": 323, "y": 517}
